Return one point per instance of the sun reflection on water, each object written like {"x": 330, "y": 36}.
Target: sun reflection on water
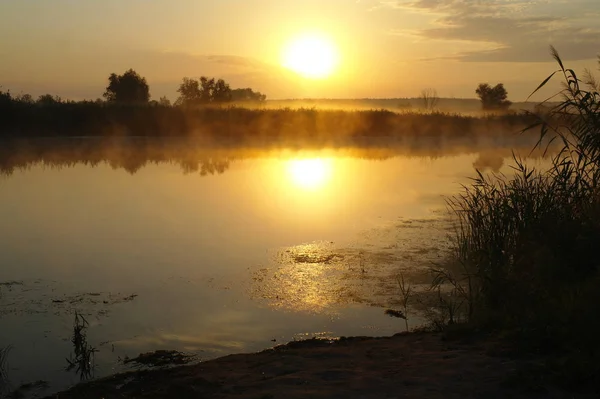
{"x": 310, "y": 174}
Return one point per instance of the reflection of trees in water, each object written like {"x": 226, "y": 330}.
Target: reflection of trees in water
{"x": 489, "y": 160}
{"x": 194, "y": 157}
{"x": 205, "y": 167}
{"x": 130, "y": 156}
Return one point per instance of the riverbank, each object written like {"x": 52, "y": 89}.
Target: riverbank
{"x": 415, "y": 365}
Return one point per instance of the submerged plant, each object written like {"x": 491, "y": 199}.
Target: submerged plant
{"x": 82, "y": 358}
{"x": 4, "y": 382}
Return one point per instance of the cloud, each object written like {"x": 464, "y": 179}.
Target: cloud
{"x": 507, "y": 30}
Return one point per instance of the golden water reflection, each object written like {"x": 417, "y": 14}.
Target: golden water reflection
{"x": 322, "y": 277}
{"x": 310, "y": 173}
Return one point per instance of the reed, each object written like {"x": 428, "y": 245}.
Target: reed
{"x": 525, "y": 256}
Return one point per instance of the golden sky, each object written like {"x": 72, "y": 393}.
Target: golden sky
{"x": 383, "y": 48}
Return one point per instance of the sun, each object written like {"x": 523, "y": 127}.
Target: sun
{"x": 312, "y": 56}
{"x": 309, "y": 173}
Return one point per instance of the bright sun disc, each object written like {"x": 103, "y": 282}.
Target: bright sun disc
{"x": 309, "y": 173}
{"x": 311, "y": 56}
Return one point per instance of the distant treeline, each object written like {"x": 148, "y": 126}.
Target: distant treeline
{"x": 209, "y": 107}
{"x": 198, "y": 156}
{"x": 31, "y": 119}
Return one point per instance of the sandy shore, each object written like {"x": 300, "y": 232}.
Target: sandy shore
{"x": 417, "y": 365}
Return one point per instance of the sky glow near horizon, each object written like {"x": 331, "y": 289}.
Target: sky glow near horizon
{"x": 383, "y": 48}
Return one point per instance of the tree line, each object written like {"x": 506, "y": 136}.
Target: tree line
{"x": 132, "y": 88}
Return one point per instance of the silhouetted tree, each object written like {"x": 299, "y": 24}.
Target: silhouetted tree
{"x": 129, "y": 88}
{"x": 429, "y": 98}
{"x": 493, "y": 97}
{"x": 48, "y": 99}
{"x": 164, "y": 101}
{"x": 189, "y": 91}
{"x": 221, "y": 92}
{"x": 25, "y": 98}
{"x": 203, "y": 91}
{"x": 5, "y": 97}
{"x": 206, "y": 89}
{"x": 247, "y": 94}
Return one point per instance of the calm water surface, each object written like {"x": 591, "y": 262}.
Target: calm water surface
{"x": 228, "y": 254}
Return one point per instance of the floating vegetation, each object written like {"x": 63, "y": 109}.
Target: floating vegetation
{"x": 10, "y": 283}
{"x": 82, "y": 358}
{"x": 395, "y": 313}
{"x": 318, "y": 276}
{"x": 160, "y": 358}
{"x": 93, "y": 298}
{"x": 315, "y": 258}
{"x": 41, "y": 297}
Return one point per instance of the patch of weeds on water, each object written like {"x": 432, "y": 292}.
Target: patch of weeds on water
{"x": 160, "y": 358}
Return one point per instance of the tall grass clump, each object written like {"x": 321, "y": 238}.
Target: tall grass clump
{"x": 526, "y": 250}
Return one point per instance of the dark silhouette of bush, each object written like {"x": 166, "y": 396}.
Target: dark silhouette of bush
{"x": 24, "y": 98}
{"x": 129, "y": 88}
{"x": 493, "y": 98}
{"x": 247, "y": 95}
{"x": 5, "y": 98}
{"x": 94, "y": 118}
{"x": 164, "y": 101}
{"x": 48, "y": 99}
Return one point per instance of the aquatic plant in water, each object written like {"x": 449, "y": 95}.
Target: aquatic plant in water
{"x": 82, "y": 358}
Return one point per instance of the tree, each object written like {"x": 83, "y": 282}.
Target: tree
{"x": 221, "y": 92}
{"x": 5, "y": 97}
{"x": 247, "y": 94}
{"x": 206, "y": 89}
{"x": 25, "y": 98}
{"x": 129, "y": 88}
{"x": 164, "y": 101}
{"x": 429, "y": 98}
{"x": 48, "y": 99}
{"x": 203, "y": 91}
{"x": 493, "y": 97}
{"x": 189, "y": 91}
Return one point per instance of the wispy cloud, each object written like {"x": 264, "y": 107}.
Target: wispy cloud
{"x": 507, "y": 30}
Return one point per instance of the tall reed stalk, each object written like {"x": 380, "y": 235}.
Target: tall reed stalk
{"x": 526, "y": 244}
